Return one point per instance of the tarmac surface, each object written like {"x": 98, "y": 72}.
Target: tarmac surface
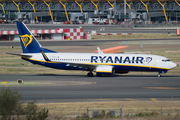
{"x": 119, "y": 87}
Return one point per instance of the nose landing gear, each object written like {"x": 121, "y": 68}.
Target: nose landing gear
{"x": 161, "y": 72}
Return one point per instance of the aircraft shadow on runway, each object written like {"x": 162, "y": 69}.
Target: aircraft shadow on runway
{"x": 106, "y": 75}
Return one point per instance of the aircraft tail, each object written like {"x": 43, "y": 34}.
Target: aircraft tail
{"x": 29, "y": 43}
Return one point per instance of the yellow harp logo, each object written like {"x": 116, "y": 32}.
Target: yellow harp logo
{"x": 26, "y": 39}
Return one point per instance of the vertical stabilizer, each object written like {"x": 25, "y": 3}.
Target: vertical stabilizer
{"x": 29, "y": 43}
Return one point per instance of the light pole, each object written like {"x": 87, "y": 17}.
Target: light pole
{"x": 115, "y": 10}
{"x": 124, "y": 10}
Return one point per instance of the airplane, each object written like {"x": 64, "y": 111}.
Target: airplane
{"x": 100, "y": 63}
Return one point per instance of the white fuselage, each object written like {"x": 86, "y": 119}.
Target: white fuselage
{"x": 129, "y": 62}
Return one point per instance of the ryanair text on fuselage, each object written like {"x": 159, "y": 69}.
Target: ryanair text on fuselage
{"x": 120, "y": 59}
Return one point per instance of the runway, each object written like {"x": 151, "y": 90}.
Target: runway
{"x": 119, "y": 87}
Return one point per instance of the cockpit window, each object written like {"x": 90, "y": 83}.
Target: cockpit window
{"x": 166, "y": 60}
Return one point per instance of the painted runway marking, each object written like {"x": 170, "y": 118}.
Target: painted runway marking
{"x": 167, "y": 88}
{"x": 153, "y": 99}
{"x": 131, "y": 99}
{"x": 93, "y": 83}
{"x": 4, "y": 82}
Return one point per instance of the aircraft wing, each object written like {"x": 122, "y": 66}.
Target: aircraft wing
{"x": 81, "y": 65}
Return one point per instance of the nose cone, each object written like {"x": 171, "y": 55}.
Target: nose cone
{"x": 173, "y": 65}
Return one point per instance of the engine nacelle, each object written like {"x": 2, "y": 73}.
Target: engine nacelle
{"x": 103, "y": 69}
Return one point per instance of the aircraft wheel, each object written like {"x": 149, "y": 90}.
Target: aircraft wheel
{"x": 90, "y": 74}
{"x": 159, "y": 75}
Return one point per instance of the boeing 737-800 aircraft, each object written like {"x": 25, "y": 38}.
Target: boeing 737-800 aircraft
{"x": 101, "y": 63}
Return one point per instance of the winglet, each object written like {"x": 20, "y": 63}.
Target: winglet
{"x": 99, "y": 50}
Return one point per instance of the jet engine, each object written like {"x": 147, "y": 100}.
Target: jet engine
{"x": 103, "y": 69}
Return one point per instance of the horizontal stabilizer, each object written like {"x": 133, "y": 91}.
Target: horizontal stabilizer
{"x": 20, "y": 55}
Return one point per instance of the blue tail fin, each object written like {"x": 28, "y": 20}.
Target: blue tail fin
{"x": 28, "y": 41}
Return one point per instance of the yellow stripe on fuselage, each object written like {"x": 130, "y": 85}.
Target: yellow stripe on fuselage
{"x": 39, "y": 60}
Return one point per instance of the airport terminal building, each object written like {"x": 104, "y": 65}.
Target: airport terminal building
{"x": 79, "y": 11}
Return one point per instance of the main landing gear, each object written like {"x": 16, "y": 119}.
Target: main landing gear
{"x": 159, "y": 75}
{"x": 90, "y": 74}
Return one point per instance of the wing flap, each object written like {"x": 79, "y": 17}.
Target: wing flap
{"x": 81, "y": 65}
